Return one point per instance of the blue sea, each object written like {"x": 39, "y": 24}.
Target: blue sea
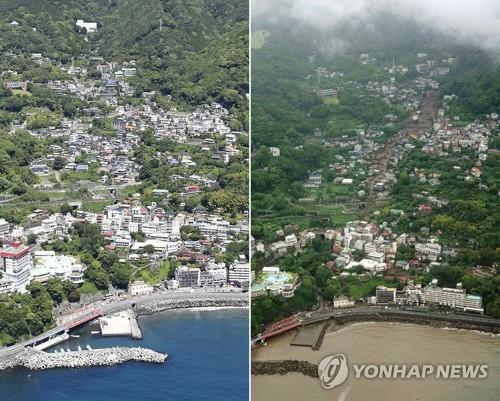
{"x": 208, "y": 360}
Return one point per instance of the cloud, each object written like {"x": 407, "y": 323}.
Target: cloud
{"x": 475, "y": 21}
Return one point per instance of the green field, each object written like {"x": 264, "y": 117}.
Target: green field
{"x": 20, "y": 92}
{"x": 259, "y": 38}
{"x": 366, "y": 288}
{"x": 331, "y": 100}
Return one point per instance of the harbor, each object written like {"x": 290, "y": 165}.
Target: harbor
{"x": 181, "y": 334}
{"x": 140, "y": 306}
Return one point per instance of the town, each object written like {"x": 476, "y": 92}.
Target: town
{"x": 130, "y": 194}
{"x": 374, "y": 227}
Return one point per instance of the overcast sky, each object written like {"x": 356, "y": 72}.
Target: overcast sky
{"x": 476, "y": 21}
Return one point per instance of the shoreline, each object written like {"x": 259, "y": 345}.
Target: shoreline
{"x": 289, "y": 362}
{"x": 339, "y": 329}
{"x": 21, "y": 353}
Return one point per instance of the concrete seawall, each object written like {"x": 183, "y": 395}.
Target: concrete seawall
{"x": 39, "y": 360}
{"x": 429, "y": 320}
{"x": 209, "y": 302}
{"x": 284, "y": 367}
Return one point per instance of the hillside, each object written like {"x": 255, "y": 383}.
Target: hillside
{"x": 200, "y": 54}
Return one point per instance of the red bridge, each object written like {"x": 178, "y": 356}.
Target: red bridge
{"x": 83, "y": 316}
{"x": 281, "y": 327}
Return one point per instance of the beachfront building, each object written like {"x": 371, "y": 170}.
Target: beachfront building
{"x": 188, "y": 277}
{"x": 385, "y": 295}
{"x": 342, "y": 302}
{"x": 455, "y": 298}
{"x": 139, "y": 288}
{"x": 239, "y": 273}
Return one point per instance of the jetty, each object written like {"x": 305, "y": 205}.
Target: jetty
{"x": 121, "y": 324}
{"x": 34, "y": 359}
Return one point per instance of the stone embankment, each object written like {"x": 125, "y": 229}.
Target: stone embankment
{"x": 436, "y": 321}
{"x": 38, "y": 360}
{"x": 169, "y": 304}
{"x": 284, "y": 367}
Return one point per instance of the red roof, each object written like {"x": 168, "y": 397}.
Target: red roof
{"x": 14, "y": 253}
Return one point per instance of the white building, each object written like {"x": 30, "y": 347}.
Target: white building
{"x": 239, "y": 273}
{"x": 456, "y": 298}
{"x": 139, "y": 288}
{"x": 291, "y": 240}
{"x": 49, "y": 225}
{"x": 342, "y": 302}
{"x": 15, "y": 266}
{"x": 91, "y": 27}
{"x": 4, "y": 227}
{"x": 63, "y": 267}
{"x": 427, "y": 251}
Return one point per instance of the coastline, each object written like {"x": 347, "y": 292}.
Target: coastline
{"x": 279, "y": 374}
{"x": 339, "y": 329}
{"x": 21, "y": 355}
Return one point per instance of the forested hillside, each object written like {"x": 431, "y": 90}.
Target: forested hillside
{"x": 200, "y": 54}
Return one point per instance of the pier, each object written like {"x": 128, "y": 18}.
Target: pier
{"x": 121, "y": 324}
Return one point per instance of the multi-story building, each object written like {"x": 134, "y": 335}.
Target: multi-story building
{"x": 4, "y": 228}
{"x": 15, "y": 265}
{"x": 215, "y": 275}
{"x": 385, "y": 295}
{"x": 188, "y": 277}
{"x": 342, "y": 302}
{"x": 456, "y": 298}
{"x": 430, "y": 251}
{"x": 239, "y": 273}
{"x": 139, "y": 288}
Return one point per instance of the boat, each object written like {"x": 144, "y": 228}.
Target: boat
{"x": 89, "y": 347}
{"x": 75, "y": 335}
{"x": 79, "y": 348}
{"x": 52, "y": 341}
{"x": 95, "y": 332}
{"x": 68, "y": 350}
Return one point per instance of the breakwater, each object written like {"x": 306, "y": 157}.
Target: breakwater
{"x": 209, "y": 302}
{"x": 283, "y": 367}
{"x": 39, "y": 360}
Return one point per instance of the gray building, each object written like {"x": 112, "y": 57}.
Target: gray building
{"x": 188, "y": 277}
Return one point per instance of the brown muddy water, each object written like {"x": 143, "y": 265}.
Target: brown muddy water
{"x": 379, "y": 343}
